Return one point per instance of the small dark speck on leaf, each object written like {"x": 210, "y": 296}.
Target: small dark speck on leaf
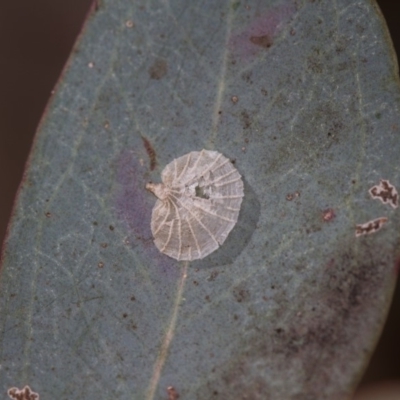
{"x": 212, "y": 276}
{"x": 195, "y": 283}
{"x": 291, "y": 196}
{"x": 133, "y": 298}
{"x": 111, "y": 228}
{"x": 264, "y": 41}
{"x": 95, "y": 223}
{"x": 103, "y": 245}
{"x": 240, "y": 294}
{"x": 246, "y": 120}
{"x": 48, "y": 214}
{"x": 264, "y": 92}
{"x": 247, "y": 77}
{"x": 159, "y": 69}
{"x": 124, "y": 315}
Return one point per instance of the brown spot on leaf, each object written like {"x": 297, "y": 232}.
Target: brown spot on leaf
{"x": 158, "y": 69}
{"x": 150, "y": 152}
{"x": 264, "y": 41}
{"x": 172, "y": 393}
{"x": 292, "y": 196}
{"x": 22, "y": 394}
{"x": 371, "y": 226}
{"x": 328, "y": 215}
{"x": 386, "y": 193}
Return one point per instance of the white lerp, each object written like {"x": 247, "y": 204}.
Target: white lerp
{"x": 198, "y": 204}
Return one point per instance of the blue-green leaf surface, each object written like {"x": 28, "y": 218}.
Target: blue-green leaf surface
{"x": 303, "y": 97}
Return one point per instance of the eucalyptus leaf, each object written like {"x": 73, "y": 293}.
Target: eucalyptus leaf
{"x": 303, "y": 97}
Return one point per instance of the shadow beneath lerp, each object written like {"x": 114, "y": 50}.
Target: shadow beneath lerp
{"x": 240, "y": 235}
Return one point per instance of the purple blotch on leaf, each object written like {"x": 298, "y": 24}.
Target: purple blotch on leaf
{"x": 134, "y": 205}
{"x": 260, "y": 33}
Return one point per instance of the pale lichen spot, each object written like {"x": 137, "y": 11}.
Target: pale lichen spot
{"x": 371, "y": 226}
{"x": 385, "y": 192}
{"x": 22, "y": 394}
{"x": 129, "y": 24}
{"x": 91, "y": 65}
{"x": 234, "y": 99}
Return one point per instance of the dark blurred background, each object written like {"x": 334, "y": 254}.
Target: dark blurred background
{"x": 36, "y": 38}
